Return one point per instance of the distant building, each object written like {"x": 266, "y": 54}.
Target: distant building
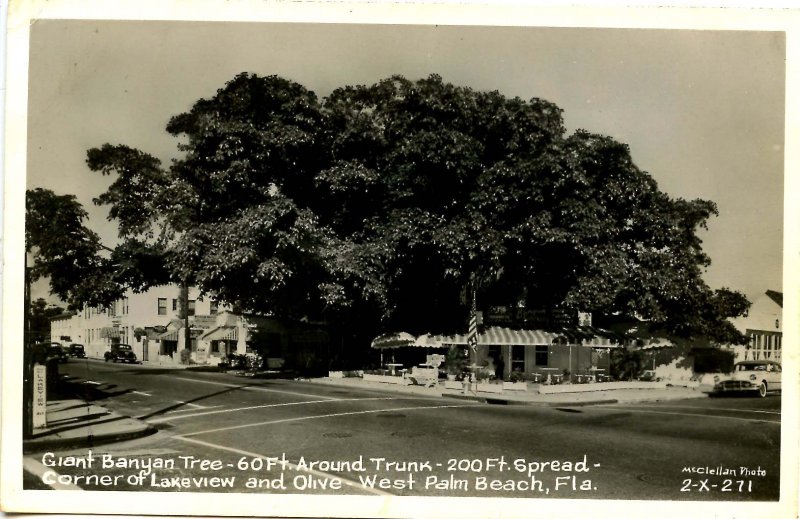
{"x": 66, "y": 329}
{"x": 763, "y": 324}
{"x": 150, "y": 322}
{"x": 137, "y": 318}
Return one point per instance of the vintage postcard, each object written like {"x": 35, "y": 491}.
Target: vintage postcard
{"x": 391, "y": 260}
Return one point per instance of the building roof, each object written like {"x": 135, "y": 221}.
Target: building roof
{"x": 65, "y": 315}
{"x": 776, "y": 296}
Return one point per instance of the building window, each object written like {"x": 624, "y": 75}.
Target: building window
{"x": 541, "y": 358}
{"x": 213, "y": 307}
{"x": 124, "y": 306}
{"x": 174, "y": 305}
{"x": 162, "y": 306}
{"x": 192, "y": 307}
{"x": 517, "y": 358}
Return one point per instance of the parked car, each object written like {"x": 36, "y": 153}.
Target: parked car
{"x": 120, "y": 353}
{"x": 758, "y": 376}
{"x": 56, "y": 351}
{"x": 77, "y": 351}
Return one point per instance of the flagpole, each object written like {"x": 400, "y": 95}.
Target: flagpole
{"x": 472, "y": 332}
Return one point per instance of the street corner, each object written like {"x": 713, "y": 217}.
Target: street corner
{"x": 74, "y": 424}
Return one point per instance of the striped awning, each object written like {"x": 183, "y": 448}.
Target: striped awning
{"x": 497, "y": 335}
{"x": 222, "y": 333}
{"x": 109, "y": 332}
{"x": 501, "y": 336}
{"x": 494, "y": 336}
{"x": 171, "y": 335}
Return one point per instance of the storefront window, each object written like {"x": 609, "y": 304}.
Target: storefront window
{"x": 517, "y": 358}
{"x": 541, "y": 355}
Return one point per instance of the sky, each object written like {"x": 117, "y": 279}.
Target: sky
{"x": 702, "y": 111}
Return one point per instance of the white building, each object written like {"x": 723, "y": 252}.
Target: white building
{"x": 764, "y": 325}
{"x": 137, "y": 319}
{"x": 150, "y": 322}
{"x": 67, "y": 329}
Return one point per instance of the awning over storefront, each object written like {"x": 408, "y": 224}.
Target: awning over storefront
{"x": 501, "y": 336}
{"x": 222, "y": 333}
{"x": 109, "y": 332}
{"x": 171, "y": 335}
{"x": 497, "y": 335}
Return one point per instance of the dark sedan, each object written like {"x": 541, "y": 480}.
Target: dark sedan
{"x": 120, "y": 353}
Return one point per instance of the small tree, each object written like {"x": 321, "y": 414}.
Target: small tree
{"x": 626, "y": 364}
{"x": 455, "y": 361}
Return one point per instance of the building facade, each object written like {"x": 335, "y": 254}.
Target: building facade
{"x": 151, "y": 323}
{"x": 66, "y": 329}
{"x": 763, "y": 324}
{"x": 136, "y": 319}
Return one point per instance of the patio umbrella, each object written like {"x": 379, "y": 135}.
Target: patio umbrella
{"x": 392, "y": 340}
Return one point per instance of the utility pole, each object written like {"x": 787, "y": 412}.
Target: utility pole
{"x": 27, "y": 355}
{"x": 184, "y": 295}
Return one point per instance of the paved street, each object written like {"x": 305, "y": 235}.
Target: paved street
{"x": 225, "y": 433}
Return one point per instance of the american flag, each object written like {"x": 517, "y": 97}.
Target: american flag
{"x": 472, "y": 333}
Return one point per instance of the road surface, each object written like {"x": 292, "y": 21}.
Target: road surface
{"x": 227, "y": 433}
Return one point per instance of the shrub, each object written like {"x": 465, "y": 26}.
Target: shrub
{"x": 186, "y": 356}
{"x": 517, "y": 376}
{"x": 482, "y": 375}
{"x": 455, "y": 361}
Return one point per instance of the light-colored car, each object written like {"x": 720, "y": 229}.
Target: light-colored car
{"x": 759, "y": 376}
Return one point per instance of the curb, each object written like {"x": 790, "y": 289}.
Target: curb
{"x": 581, "y": 404}
{"x": 90, "y": 440}
{"x": 500, "y": 400}
{"x": 509, "y": 401}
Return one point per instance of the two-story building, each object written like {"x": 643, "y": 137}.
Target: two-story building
{"x": 137, "y": 318}
{"x": 151, "y": 323}
{"x": 66, "y": 328}
{"x": 763, "y": 324}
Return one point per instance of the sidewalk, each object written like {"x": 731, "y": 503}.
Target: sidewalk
{"x": 75, "y": 423}
{"x": 591, "y": 395}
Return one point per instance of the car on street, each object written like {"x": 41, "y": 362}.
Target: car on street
{"x": 77, "y": 351}
{"x": 56, "y": 351}
{"x": 756, "y": 376}
{"x": 120, "y": 353}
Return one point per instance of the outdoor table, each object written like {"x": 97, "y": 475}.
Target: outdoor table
{"x": 550, "y": 374}
{"x": 596, "y": 373}
{"x": 393, "y": 367}
{"x": 537, "y": 378}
